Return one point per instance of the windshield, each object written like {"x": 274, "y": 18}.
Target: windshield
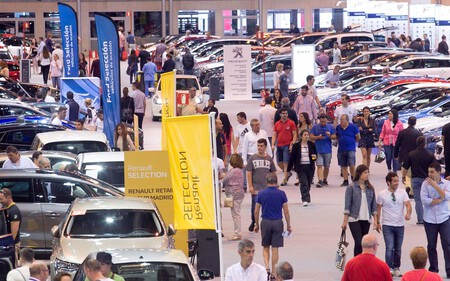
{"x": 350, "y": 58}
{"x": 184, "y": 84}
{"x": 111, "y": 172}
{"x": 276, "y": 42}
{"x": 368, "y": 84}
{"x": 76, "y": 147}
{"x": 389, "y": 92}
{"x": 121, "y": 223}
{"x": 432, "y": 103}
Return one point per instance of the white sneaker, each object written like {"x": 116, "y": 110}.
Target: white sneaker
{"x": 397, "y": 272}
{"x": 305, "y": 204}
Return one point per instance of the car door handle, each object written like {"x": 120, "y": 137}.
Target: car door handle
{"x": 51, "y": 214}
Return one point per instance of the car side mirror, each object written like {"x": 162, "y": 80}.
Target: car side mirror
{"x": 55, "y": 231}
{"x": 213, "y": 57}
{"x": 205, "y": 274}
{"x": 259, "y": 71}
{"x": 399, "y": 68}
{"x": 349, "y": 87}
{"x": 171, "y": 230}
{"x": 437, "y": 110}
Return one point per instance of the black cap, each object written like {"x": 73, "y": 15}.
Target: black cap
{"x": 104, "y": 257}
{"x": 287, "y": 67}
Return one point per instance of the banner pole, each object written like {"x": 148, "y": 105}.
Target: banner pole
{"x": 212, "y": 124}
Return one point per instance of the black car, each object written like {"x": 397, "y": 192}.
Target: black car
{"x": 30, "y": 89}
{"x": 21, "y": 135}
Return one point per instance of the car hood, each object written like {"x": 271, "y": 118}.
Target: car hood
{"x": 430, "y": 123}
{"x": 76, "y": 250}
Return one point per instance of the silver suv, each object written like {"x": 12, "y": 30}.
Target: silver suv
{"x": 43, "y": 197}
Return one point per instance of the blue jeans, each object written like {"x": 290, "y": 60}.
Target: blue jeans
{"x": 393, "y": 237}
{"x": 416, "y": 186}
{"x": 391, "y": 162}
{"x": 148, "y": 84}
{"x": 432, "y": 230}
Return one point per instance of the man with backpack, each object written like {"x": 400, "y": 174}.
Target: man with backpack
{"x": 188, "y": 62}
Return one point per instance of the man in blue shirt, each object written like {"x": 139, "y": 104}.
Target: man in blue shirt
{"x": 322, "y": 134}
{"x": 435, "y": 194}
{"x": 347, "y": 134}
{"x": 273, "y": 203}
{"x": 149, "y": 70}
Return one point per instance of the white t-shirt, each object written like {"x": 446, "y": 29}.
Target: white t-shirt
{"x": 336, "y": 55}
{"x": 99, "y": 124}
{"x": 23, "y": 163}
{"x": 49, "y": 98}
{"x": 266, "y": 116}
{"x": 255, "y": 272}
{"x": 19, "y": 274}
{"x": 239, "y": 132}
{"x": 349, "y": 110}
{"x": 392, "y": 213}
{"x": 56, "y": 121}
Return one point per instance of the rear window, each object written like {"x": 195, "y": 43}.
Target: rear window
{"x": 185, "y": 84}
{"x": 76, "y": 147}
{"x": 110, "y": 172}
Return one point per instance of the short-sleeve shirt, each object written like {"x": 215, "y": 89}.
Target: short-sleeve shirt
{"x": 347, "y": 137}
{"x": 323, "y": 146}
{"x": 349, "y": 110}
{"x": 284, "y": 132}
{"x": 331, "y": 77}
{"x": 271, "y": 201}
{"x": 393, "y": 203}
{"x": 12, "y": 214}
{"x": 260, "y": 166}
{"x": 240, "y": 132}
{"x": 23, "y": 163}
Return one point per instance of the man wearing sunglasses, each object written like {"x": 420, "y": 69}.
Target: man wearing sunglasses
{"x": 393, "y": 201}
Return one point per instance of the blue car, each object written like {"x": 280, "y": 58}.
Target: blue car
{"x": 33, "y": 119}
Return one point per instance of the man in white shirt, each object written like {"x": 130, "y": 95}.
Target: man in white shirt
{"x": 246, "y": 269}
{"x": 266, "y": 116}
{"x": 345, "y": 108}
{"x": 336, "y": 53}
{"x": 240, "y": 131}
{"x": 22, "y": 273}
{"x": 392, "y": 201}
{"x": 16, "y": 161}
{"x": 249, "y": 146}
{"x": 99, "y": 121}
{"x": 61, "y": 114}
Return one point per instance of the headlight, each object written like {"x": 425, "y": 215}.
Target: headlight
{"x": 157, "y": 100}
{"x": 64, "y": 266}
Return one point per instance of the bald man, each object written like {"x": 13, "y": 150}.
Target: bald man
{"x": 44, "y": 163}
{"x": 367, "y": 266}
{"x": 38, "y": 271}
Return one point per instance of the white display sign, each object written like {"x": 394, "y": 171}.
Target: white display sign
{"x": 442, "y": 25}
{"x": 422, "y": 21}
{"x": 375, "y": 14}
{"x": 237, "y": 73}
{"x": 303, "y": 62}
{"x": 397, "y": 15}
{"x": 356, "y": 13}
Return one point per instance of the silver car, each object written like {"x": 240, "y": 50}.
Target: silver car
{"x": 102, "y": 224}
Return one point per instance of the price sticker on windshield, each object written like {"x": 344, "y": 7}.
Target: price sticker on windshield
{"x": 78, "y": 213}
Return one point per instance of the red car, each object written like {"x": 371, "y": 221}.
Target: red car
{"x": 14, "y": 70}
{"x": 382, "y": 86}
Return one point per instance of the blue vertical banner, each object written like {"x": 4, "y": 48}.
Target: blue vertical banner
{"x": 69, "y": 36}
{"x": 108, "y": 52}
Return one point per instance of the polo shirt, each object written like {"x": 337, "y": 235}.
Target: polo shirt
{"x": 347, "y": 137}
{"x": 271, "y": 200}
{"x": 323, "y": 146}
{"x": 284, "y": 132}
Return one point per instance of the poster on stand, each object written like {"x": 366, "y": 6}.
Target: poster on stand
{"x": 82, "y": 88}
{"x": 397, "y": 15}
{"x": 442, "y": 25}
{"x": 237, "y": 72}
{"x": 422, "y": 21}
{"x": 303, "y": 62}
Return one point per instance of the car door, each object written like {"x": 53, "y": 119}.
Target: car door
{"x": 59, "y": 194}
{"x": 413, "y": 66}
{"x": 28, "y": 198}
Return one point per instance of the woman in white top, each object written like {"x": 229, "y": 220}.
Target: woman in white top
{"x": 55, "y": 71}
{"x": 122, "y": 139}
{"x": 45, "y": 59}
{"x": 276, "y": 75}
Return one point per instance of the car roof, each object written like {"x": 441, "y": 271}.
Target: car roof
{"x": 108, "y": 203}
{"x": 64, "y": 136}
{"x": 107, "y": 156}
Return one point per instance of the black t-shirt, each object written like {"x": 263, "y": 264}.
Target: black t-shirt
{"x": 446, "y": 135}
{"x": 419, "y": 160}
{"x": 13, "y": 214}
{"x": 220, "y": 143}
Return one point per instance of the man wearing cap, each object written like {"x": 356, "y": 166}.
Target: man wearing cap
{"x": 105, "y": 260}
{"x": 61, "y": 115}
{"x": 285, "y": 79}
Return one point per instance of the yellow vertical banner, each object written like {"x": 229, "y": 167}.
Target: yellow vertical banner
{"x": 189, "y": 147}
{"x": 168, "y": 101}
{"x": 147, "y": 174}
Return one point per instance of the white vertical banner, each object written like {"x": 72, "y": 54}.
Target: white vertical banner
{"x": 422, "y": 21}
{"x": 375, "y": 13}
{"x": 237, "y": 72}
{"x": 303, "y": 62}
{"x": 356, "y": 14}
{"x": 397, "y": 15}
{"x": 442, "y": 25}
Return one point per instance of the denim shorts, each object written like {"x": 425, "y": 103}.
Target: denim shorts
{"x": 346, "y": 158}
{"x": 283, "y": 154}
{"x": 323, "y": 159}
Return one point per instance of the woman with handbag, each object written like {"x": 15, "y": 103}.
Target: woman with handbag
{"x": 234, "y": 188}
{"x": 121, "y": 138}
{"x": 360, "y": 207}
{"x": 126, "y": 107}
{"x": 303, "y": 158}
{"x": 389, "y": 133}
{"x": 132, "y": 65}
{"x": 366, "y": 127}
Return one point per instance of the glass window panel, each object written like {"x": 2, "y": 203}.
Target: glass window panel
{"x": 53, "y": 27}
{"x": 94, "y": 29}
{"x": 24, "y": 15}
{"x": 26, "y": 27}
{"x": 147, "y": 24}
{"x": 51, "y": 15}
{"x": 110, "y": 14}
{"x": 198, "y": 21}
{"x": 6, "y": 15}
{"x": 240, "y": 22}
{"x": 8, "y": 27}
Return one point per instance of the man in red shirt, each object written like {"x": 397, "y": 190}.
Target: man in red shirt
{"x": 284, "y": 136}
{"x": 366, "y": 266}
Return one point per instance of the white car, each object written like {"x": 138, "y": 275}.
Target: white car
{"x": 364, "y": 57}
{"x": 183, "y": 84}
{"x": 438, "y": 66}
{"x": 107, "y": 223}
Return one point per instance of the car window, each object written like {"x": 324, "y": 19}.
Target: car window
{"x": 110, "y": 172}
{"x": 25, "y": 136}
{"x": 76, "y": 147}
{"x": 185, "y": 84}
{"x": 21, "y": 189}
{"x": 4, "y": 110}
{"x": 411, "y": 64}
{"x": 15, "y": 110}
{"x": 346, "y": 39}
{"x": 61, "y": 191}
{"x": 444, "y": 63}
{"x": 66, "y": 161}
{"x": 101, "y": 191}
{"x": 432, "y": 103}
{"x": 4, "y": 55}
{"x": 445, "y": 106}
{"x": 430, "y": 63}
{"x": 123, "y": 223}
{"x": 328, "y": 44}
{"x": 364, "y": 38}
{"x": 6, "y": 95}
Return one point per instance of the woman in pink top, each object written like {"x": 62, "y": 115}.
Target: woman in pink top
{"x": 419, "y": 258}
{"x": 55, "y": 71}
{"x": 389, "y": 133}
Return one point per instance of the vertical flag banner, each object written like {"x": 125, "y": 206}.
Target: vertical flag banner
{"x": 108, "y": 51}
{"x": 167, "y": 100}
{"x": 191, "y": 171}
{"x": 69, "y": 36}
